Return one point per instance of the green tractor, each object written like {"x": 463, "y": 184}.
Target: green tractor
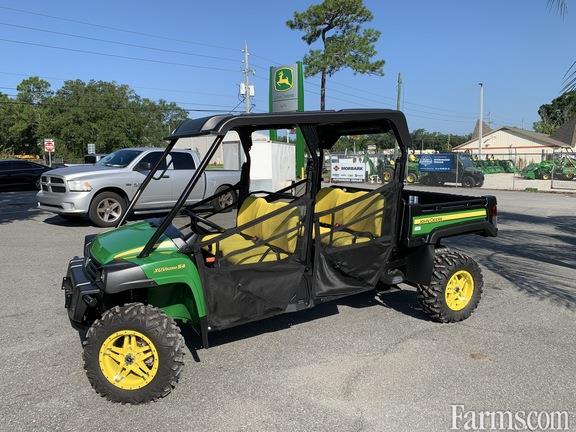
{"x": 385, "y": 169}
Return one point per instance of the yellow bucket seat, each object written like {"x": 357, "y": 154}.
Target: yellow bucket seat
{"x": 242, "y": 248}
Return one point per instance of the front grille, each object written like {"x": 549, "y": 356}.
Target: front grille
{"x": 53, "y": 184}
{"x": 93, "y": 269}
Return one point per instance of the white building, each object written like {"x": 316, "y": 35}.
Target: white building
{"x": 272, "y": 163}
{"x": 524, "y": 146}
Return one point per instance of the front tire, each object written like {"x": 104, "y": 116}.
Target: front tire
{"x": 106, "y": 209}
{"x": 411, "y": 178}
{"x": 133, "y": 354}
{"x": 455, "y": 289}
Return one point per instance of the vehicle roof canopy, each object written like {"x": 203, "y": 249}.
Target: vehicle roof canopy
{"x": 330, "y": 124}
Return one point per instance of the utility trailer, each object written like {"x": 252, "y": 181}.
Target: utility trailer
{"x": 289, "y": 250}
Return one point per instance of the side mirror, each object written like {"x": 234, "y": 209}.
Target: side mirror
{"x": 143, "y": 166}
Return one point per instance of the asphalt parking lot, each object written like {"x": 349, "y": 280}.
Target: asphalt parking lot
{"x": 371, "y": 363}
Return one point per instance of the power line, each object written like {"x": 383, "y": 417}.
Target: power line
{"x": 131, "y": 86}
{"x": 119, "y": 43}
{"x": 119, "y": 56}
{"x": 151, "y": 35}
{"x": 101, "y": 107}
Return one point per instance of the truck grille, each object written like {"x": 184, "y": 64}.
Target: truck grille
{"x": 53, "y": 184}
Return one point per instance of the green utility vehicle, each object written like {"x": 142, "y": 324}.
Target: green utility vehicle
{"x": 286, "y": 251}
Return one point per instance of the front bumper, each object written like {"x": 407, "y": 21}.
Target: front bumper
{"x": 80, "y": 293}
{"x": 64, "y": 203}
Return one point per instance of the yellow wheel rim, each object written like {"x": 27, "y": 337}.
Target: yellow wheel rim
{"x": 128, "y": 359}
{"x": 459, "y": 290}
{"x": 387, "y": 176}
{"x": 410, "y": 178}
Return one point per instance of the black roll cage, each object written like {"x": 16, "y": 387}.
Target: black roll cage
{"x": 321, "y": 130}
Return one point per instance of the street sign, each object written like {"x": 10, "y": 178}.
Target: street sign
{"x": 91, "y": 148}
{"x": 49, "y": 145}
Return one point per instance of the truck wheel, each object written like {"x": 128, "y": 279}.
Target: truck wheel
{"x": 468, "y": 182}
{"x": 225, "y": 200}
{"x": 133, "y": 354}
{"x": 455, "y": 289}
{"x": 106, "y": 209}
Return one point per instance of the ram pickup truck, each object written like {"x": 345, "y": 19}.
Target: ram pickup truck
{"x": 102, "y": 191}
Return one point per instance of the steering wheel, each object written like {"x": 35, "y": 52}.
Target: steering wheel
{"x": 195, "y": 218}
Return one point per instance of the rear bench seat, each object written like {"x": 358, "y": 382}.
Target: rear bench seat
{"x": 353, "y": 232}
{"x": 273, "y": 250}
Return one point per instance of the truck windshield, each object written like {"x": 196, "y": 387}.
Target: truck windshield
{"x": 466, "y": 162}
{"x": 119, "y": 159}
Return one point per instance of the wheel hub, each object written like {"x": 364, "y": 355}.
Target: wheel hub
{"x": 459, "y": 290}
{"x": 128, "y": 359}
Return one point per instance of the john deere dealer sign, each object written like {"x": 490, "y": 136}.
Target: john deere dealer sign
{"x": 348, "y": 170}
{"x": 285, "y": 88}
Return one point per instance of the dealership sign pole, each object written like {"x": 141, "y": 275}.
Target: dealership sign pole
{"x": 49, "y": 148}
{"x": 287, "y": 94}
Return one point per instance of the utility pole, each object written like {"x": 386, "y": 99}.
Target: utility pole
{"x": 481, "y": 118}
{"x": 247, "y": 71}
{"x": 399, "y": 91}
{"x": 398, "y": 100}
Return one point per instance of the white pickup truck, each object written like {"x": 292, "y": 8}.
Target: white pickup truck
{"x": 102, "y": 191}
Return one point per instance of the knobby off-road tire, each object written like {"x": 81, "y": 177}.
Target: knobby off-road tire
{"x": 452, "y": 269}
{"x": 133, "y": 334}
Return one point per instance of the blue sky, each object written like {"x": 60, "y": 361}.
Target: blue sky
{"x": 518, "y": 49}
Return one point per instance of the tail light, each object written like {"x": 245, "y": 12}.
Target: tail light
{"x": 494, "y": 215}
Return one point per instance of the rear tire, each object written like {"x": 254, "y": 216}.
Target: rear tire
{"x": 468, "y": 182}
{"x": 450, "y": 297}
{"x": 106, "y": 209}
{"x": 149, "y": 349}
{"x": 225, "y": 200}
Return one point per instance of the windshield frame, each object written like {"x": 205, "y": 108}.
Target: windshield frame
{"x": 106, "y": 159}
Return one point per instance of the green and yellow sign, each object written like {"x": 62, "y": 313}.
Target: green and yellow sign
{"x": 283, "y": 79}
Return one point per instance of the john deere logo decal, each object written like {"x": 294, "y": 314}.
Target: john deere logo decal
{"x": 283, "y": 79}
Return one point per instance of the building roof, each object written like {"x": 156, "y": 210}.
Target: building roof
{"x": 566, "y": 133}
{"x": 485, "y": 129}
{"x": 544, "y": 139}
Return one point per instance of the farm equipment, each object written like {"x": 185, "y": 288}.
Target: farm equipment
{"x": 289, "y": 250}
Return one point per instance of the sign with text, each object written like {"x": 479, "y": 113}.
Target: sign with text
{"x": 436, "y": 163}
{"x": 348, "y": 171}
{"x": 49, "y": 145}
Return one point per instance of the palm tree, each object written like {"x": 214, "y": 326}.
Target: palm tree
{"x": 561, "y": 6}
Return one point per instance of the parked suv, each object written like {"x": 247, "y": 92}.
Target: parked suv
{"x": 102, "y": 191}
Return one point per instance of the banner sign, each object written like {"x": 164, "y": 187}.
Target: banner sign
{"x": 348, "y": 171}
{"x": 436, "y": 163}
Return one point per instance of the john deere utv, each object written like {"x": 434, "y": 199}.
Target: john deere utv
{"x": 288, "y": 250}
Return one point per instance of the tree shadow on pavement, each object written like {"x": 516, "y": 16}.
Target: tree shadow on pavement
{"x": 535, "y": 253}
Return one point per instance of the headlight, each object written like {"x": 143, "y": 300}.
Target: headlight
{"x": 79, "y": 186}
